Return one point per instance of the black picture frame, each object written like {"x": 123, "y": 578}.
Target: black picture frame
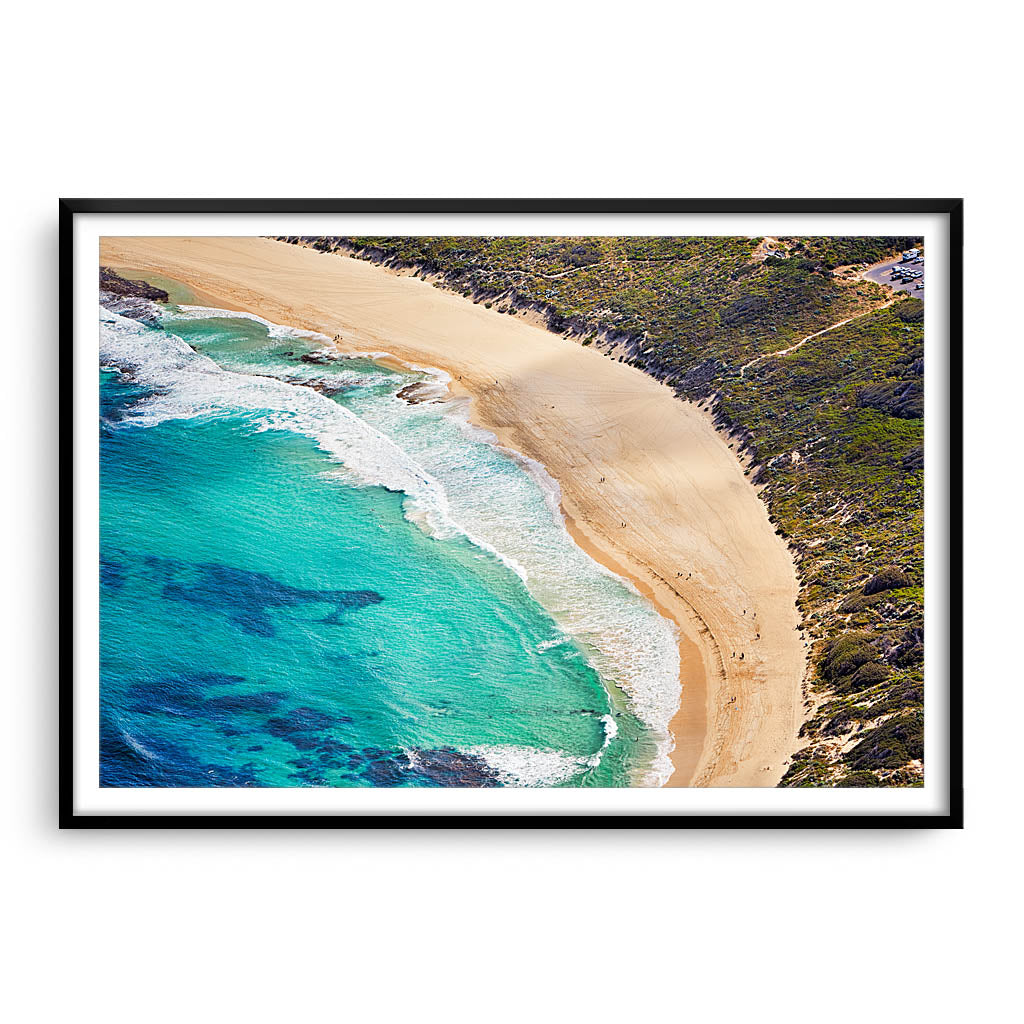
{"x": 951, "y": 817}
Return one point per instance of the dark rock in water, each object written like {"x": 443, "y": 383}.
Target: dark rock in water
{"x": 236, "y": 702}
{"x": 323, "y": 385}
{"x": 329, "y": 389}
{"x": 174, "y": 695}
{"x": 299, "y": 740}
{"x": 178, "y": 694}
{"x": 329, "y": 746}
{"x": 310, "y": 777}
{"x": 112, "y": 574}
{"x": 131, "y": 759}
{"x": 246, "y": 597}
{"x": 111, "y": 281}
{"x": 117, "y": 404}
{"x": 387, "y": 774}
{"x": 307, "y": 720}
{"x": 187, "y": 696}
{"x": 442, "y": 767}
{"x": 305, "y": 728}
{"x": 163, "y": 564}
{"x": 447, "y": 767}
{"x": 319, "y": 358}
{"x": 418, "y": 391}
{"x": 131, "y": 306}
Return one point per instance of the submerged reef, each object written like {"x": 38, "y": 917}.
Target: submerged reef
{"x": 246, "y": 596}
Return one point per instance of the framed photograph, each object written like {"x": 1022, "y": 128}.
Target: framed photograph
{"x": 529, "y": 513}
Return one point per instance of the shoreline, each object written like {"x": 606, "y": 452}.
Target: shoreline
{"x": 553, "y": 401}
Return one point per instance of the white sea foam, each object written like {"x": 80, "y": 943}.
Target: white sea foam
{"x": 611, "y": 729}
{"x": 274, "y": 330}
{"x": 521, "y": 766}
{"x": 555, "y": 641}
{"x": 362, "y": 355}
{"x": 529, "y": 766}
{"x": 458, "y": 480}
{"x": 138, "y": 747}
{"x": 189, "y": 384}
{"x": 533, "y": 766}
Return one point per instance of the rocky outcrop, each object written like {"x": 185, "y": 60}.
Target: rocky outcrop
{"x": 112, "y": 283}
{"x": 133, "y": 299}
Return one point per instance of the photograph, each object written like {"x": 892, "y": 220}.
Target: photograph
{"x": 512, "y": 511}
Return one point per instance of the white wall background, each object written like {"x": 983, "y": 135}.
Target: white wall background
{"x": 787, "y": 99}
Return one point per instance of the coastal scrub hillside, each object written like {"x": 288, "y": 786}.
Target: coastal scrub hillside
{"x": 832, "y": 429}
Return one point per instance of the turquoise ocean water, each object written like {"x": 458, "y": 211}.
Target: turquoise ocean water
{"x": 315, "y": 571}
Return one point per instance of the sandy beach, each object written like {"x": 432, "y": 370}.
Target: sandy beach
{"x": 649, "y": 488}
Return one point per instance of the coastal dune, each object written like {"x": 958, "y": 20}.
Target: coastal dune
{"x": 649, "y": 487}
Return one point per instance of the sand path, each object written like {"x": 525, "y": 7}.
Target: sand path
{"x": 811, "y": 337}
{"x": 697, "y": 540}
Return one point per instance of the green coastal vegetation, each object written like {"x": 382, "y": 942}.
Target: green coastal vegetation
{"x": 832, "y": 431}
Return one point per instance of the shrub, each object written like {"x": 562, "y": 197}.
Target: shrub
{"x": 890, "y": 578}
{"x": 914, "y": 459}
{"x": 859, "y": 780}
{"x": 583, "y": 255}
{"x": 910, "y": 311}
{"x": 869, "y": 674}
{"x": 859, "y": 603}
{"x": 891, "y": 745}
{"x": 746, "y": 309}
{"x": 845, "y": 654}
{"x": 902, "y": 398}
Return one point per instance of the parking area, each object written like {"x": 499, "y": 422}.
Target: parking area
{"x": 903, "y": 274}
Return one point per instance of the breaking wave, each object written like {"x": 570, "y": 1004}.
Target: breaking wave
{"x": 187, "y": 384}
